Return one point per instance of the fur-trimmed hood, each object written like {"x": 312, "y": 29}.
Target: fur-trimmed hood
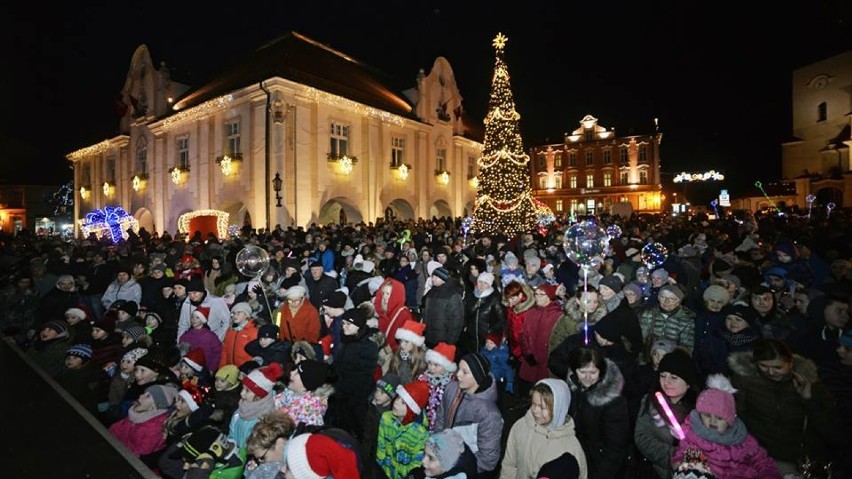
{"x": 525, "y": 304}
{"x": 742, "y": 365}
{"x": 607, "y": 389}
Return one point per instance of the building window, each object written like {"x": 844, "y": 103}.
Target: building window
{"x": 183, "y": 153}
{"x": 589, "y": 135}
{"x": 557, "y": 160}
{"x": 643, "y": 156}
{"x": 643, "y": 177}
{"x": 542, "y": 182}
{"x": 573, "y": 181}
{"x": 397, "y": 151}
{"x": 339, "y": 138}
{"x": 110, "y": 168}
{"x": 542, "y": 162}
{"x": 572, "y": 158}
{"x": 232, "y": 139}
{"x": 607, "y": 178}
{"x": 471, "y": 166}
{"x": 86, "y": 175}
{"x": 558, "y": 181}
{"x": 441, "y": 159}
{"x": 590, "y": 157}
{"x": 822, "y": 112}
{"x": 623, "y": 178}
{"x": 142, "y": 157}
{"x": 607, "y": 157}
{"x": 574, "y": 205}
{"x": 622, "y": 155}
{"x": 559, "y": 205}
{"x": 590, "y": 180}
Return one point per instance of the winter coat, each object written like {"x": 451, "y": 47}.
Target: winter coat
{"x": 678, "y": 326}
{"x": 498, "y": 359}
{"x": 732, "y": 455}
{"x": 206, "y": 340}
{"x": 484, "y": 314}
{"x": 531, "y": 446}
{"x": 602, "y": 422}
{"x": 143, "y": 438}
{"x": 652, "y": 435}
{"x": 50, "y": 355}
{"x": 54, "y": 304}
{"x": 399, "y": 448}
{"x": 219, "y": 319}
{"x": 573, "y": 321}
{"x": 776, "y": 413}
{"x": 278, "y": 351}
{"x": 631, "y": 332}
{"x": 354, "y": 367}
{"x": 371, "y": 427}
{"x": 515, "y": 318}
{"x": 395, "y": 314}
{"x": 534, "y": 337}
{"x": 479, "y": 409}
{"x": 84, "y": 384}
{"x": 305, "y": 407}
{"x": 319, "y": 289}
{"x": 408, "y": 277}
{"x": 233, "y": 347}
{"x": 129, "y": 291}
{"x": 303, "y": 326}
{"x": 443, "y": 313}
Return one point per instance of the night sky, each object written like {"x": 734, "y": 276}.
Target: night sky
{"x": 717, "y": 78}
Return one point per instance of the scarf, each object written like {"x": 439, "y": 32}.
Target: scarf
{"x": 255, "y": 409}
{"x": 746, "y": 336}
{"x": 439, "y": 381}
{"x": 140, "y": 417}
{"x": 405, "y": 356}
{"x": 614, "y": 301}
{"x": 735, "y": 434}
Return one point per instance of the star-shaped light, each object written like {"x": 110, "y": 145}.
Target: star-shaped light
{"x": 500, "y": 41}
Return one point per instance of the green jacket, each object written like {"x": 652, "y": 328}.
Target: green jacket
{"x": 400, "y": 447}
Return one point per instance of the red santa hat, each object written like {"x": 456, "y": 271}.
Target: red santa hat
{"x": 411, "y": 331}
{"x": 79, "y": 311}
{"x": 443, "y": 354}
{"x": 316, "y": 456}
{"x": 415, "y": 395}
{"x": 195, "y": 359}
{"x": 262, "y": 380}
{"x": 193, "y": 396}
{"x": 203, "y": 312}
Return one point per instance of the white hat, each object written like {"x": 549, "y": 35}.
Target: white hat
{"x": 485, "y": 277}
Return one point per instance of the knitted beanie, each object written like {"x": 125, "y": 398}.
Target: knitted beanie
{"x": 388, "y": 383}
{"x": 129, "y": 307}
{"x": 313, "y": 373}
{"x": 447, "y": 446}
{"x": 268, "y": 331}
{"x": 480, "y": 369}
{"x": 549, "y": 289}
{"x": 80, "y": 350}
{"x": 262, "y": 380}
{"x": 355, "y": 316}
{"x": 411, "y": 331}
{"x": 241, "y": 306}
{"x": 681, "y": 364}
{"x": 164, "y": 395}
{"x": 415, "y": 395}
{"x": 133, "y": 355}
{"x": 230, "y": 374}
{"x": 134, "y": 332}
{"x": 717, "y": 293}
{"x": 718, "y": 399}
{"x": 673, "y": 289}
{"x": 612, "y": 282}
{"x": 442, "y": 273}
{"x": 485, "y": 277}
{"x": 61, "y": 327}
{"x": 443, "y": 354}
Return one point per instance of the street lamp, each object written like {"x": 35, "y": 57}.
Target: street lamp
{"x": 276, "y": 185}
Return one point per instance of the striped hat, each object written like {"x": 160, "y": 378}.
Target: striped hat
{"x": 80, "y": 350}
{"x": 263, "y": 379}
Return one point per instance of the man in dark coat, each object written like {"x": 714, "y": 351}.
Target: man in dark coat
{"x": 443, "y": 309}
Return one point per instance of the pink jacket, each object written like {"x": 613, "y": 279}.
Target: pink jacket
{"x": 746, "y": 460}
{"x": 143, "y": 438}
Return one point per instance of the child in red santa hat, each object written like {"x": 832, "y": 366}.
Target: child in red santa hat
{"x": 256, "y": 399}
{"x": 441, "y": 368}
{"x": 403, "y": 431}
{"x": 409, "y": 360}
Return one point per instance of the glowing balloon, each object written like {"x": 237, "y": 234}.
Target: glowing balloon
{"x": 252, "y": 260}
{"x": 586, "y": 243}
{"x": 614, "y": 231}
{"x": 654, "y": 255}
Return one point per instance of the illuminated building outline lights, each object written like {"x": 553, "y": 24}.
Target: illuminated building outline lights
{"x": 221, "y": 221}
{"x": 711, "y": 175}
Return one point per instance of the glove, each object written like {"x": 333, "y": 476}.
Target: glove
{"x": 258, "y": 290}
{"x": 530, "y": 359}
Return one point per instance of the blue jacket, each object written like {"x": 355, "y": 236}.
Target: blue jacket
{"x": 500, "y": 368}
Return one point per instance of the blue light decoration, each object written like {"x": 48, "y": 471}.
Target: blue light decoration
{"x": 614, "y": 231}
{"x": 715, "y": 205}
{"x": 654, "y": 255}
{"x": 112, "y": 222}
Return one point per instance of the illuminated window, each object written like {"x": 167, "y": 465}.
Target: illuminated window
{"x": 643, "y": 177}
{"x": 339, "y": 140}
{"x": 607, "y": 178}
{"x": 572, "y": 182}
{"x": 142, "y": 156}
{"x": 559, "y": 205}
{"x": 183, "y": 153}
{"x": 441, "y": 159}
{"x": 623, "y": 178}
{"x": 622, "y": 155}
{"x": 232, "y": 139}
{"x": 574, "y": 205}
{"x": 558, "y": 183}
{"x": 397, "y": 151}
{"x": 572, "y": 158}
{"x": 590, "y": 157}
{"x": 542, "y": 182}
{"x": 643, "y": 155}
{"x": 590, "y": 180}
{"x": 557, "y": 161}
{"x": 607, "y": 157}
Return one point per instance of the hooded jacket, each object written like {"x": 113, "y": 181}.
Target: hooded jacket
{"x": 515, "y": 317}
{"x": 395, "y": 314}
{"x": 531, "y": 445}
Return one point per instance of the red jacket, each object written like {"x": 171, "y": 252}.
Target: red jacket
{"x": 233, "y": 347}
{"x": 395, "y": 309}
{"x": 305, "y": 326}
{"x": 534, "y": 338}
{"x": 143, "y": 438}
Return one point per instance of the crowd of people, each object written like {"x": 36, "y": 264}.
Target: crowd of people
{"x": 410, "y": 349}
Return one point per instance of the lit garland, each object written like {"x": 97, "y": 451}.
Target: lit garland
{"x": 708, "y": 176}
{"x": 198, "y": 112}
{"x": 354, "y": 107}
{"x": 111, "y": 222}
{"x": 403, "y": 171}
{"x": 346, "y": 165}
{"x": 504, "y": 200}
{"x": 221, "y": 221}
{"x": 89, "y": 151}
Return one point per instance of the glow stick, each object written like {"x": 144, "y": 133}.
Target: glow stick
{"x": 670, "y": 415}
{"x": 585, "y": 309}
{"x": 760, "y": 186}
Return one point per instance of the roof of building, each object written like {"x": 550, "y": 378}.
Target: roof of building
{"x": 298, "y": 58}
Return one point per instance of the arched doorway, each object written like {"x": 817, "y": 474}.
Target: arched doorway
{"x": 339, "y": 211}
{"x": 145, "y": 219}
{"x": 440, "y": 208}
{"x": 239, "y": 216}
{"x": 400, "y": 210}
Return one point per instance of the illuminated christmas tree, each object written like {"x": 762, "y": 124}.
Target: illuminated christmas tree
{"x": 504, "y": 202}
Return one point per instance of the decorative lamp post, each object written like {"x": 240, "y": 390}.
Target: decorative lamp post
{"x": 276, "y": 185}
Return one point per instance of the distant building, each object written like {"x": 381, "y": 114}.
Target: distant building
{"x": 817, "y": 158}
{"x": 336, "y": 140}
{"x": 593, "y": 169}
{"x": 26, "y": 207}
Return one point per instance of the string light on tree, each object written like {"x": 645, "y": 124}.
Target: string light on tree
{"x": 504, "y": 200}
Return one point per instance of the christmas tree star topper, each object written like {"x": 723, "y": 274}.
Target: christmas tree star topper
{"x": 500, "y": 41}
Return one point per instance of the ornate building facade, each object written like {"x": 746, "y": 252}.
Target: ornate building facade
{"x": 594, "y": 170}
{"x": 295, "y": 134}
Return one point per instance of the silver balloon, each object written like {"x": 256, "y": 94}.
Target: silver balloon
{"x": 252, "y": 260}
{"x": 586, "y": 243}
